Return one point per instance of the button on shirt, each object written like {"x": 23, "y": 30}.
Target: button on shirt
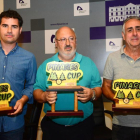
{"x": 15, "y": 68}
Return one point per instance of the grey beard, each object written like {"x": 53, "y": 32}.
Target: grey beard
{"x": 67, "y": 56}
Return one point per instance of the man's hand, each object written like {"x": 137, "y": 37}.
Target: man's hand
{"x": 116, "y": 100}
{"x": 50, "y": 96}
{"x": 85, "y": 95}
{"x": 19, "y": 105}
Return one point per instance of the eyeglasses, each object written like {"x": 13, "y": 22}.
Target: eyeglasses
{"x": 63, "y": 40}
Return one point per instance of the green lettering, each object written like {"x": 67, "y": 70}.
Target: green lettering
{"x": 130, "y": 85}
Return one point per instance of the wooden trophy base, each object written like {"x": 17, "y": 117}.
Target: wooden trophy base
{"x": 65, "y": 113}
{"x": 75, "y": 112}
{"x": 6, "y": 110}
{"x": 130, "y": 108}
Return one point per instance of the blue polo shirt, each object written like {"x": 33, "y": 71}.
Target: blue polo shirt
{"x": 65, "y": 101}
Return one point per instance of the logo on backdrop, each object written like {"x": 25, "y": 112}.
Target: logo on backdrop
{"x": 113, "y": 44}
{"x": 21, "y": 1}
{"x": 53, "y": 38}
{"x": 81, "y": 9}
{"x": 23, "y": 4}
{"x": 117, "y": 12}
{"x": 50, "y": 41}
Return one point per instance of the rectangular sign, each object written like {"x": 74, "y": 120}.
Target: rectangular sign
{"x": 23, "y": 4}
{"x": 81, "y": 9}
{"x": 113, "y": 44}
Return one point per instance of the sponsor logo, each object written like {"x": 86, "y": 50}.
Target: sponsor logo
{"x": 81, "y": 9}
{"x": 53, "y": 38}
{"x": 23, "y": 4}
{"x": 117, "y": 12}
{"x": 113, "y": 44}
{"x": 21, "y": 1}
{"x": 120, "y": 13}
{"x": 50, "y": 41}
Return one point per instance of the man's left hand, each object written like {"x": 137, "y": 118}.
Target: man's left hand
{"x": 85, "y": 95}
{"x": 19, "y": 105}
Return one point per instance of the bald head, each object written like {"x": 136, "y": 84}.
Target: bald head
{"x": 63, "y": 30}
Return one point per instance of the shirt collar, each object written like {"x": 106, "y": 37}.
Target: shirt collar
{"x": 14, "y": 49}
{"x": 122, "y": 50}
{"x": 77, "y": 58}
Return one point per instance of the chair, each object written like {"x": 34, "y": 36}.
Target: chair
{"x": 101, "y": 132}
{"x": 31, "y": 121}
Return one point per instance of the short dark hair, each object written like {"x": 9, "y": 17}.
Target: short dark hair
{"x": 11, "y": 14}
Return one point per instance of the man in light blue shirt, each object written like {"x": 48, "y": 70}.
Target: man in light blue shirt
{"x": 18, "y": 69}
{"x": 68, "y": 128}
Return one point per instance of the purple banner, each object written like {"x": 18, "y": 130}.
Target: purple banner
{"x": 97, "y": 33}
{"x": 25, "y": 37}
{"x": 117, "y": 11}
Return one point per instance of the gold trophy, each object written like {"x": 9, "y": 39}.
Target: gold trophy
{"x": 5, "y": 97}
{"x": 127, "y": 92}
{"x": 64, "y": 76}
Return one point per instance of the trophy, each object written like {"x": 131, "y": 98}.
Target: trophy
{"x": 64, "y": 76}
{"x": 128, "y": 94}
{"x": 5, "y": 97}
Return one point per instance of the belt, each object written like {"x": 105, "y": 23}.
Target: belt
{"x": 68, "y": 125}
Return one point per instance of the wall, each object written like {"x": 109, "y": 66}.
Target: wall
{"x": 97, "y": 24}
{"x": 1, "y": 6}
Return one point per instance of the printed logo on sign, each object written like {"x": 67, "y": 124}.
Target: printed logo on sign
{"x": 53, "y": 38}
{"x": 81, "y": 9}
{"x": 116, "y": 13}
{"x": 50, "y": 41}
{"x": 113, "y": 44}
{"x": 23, "y": 4}
{"x": 21, "y": 1}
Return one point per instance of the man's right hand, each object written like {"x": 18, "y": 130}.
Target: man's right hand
{"x": 50, "y": 96}
{"x": 116, "y": 100}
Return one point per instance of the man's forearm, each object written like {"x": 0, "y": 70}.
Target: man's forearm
{"x": 107, "y": 89}
{"x": 108, "y": 93}
{"x": 39, "y": 95}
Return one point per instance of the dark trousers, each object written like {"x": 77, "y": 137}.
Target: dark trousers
{"x": 125, "y": 133}
{"x": 80, "y": 131}
{"x": 12, "y": 135}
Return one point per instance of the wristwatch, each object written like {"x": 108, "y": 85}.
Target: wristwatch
{"x": 94, "y": 95}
